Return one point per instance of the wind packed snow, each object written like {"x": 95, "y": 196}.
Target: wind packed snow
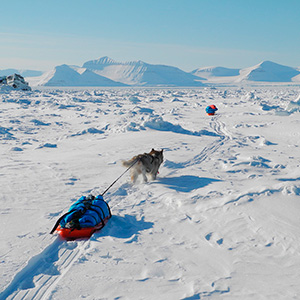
{"x": 220, "y": 222}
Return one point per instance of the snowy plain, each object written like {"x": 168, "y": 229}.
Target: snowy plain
{"x": 220, "y": 222}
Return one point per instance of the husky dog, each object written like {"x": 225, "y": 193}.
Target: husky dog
{"x": 146, "y": 164}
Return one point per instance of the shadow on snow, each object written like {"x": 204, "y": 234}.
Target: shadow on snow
{"x": 186, "y": 183}
{"x": 123, "y": 227}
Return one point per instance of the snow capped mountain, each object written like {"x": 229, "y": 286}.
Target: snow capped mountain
{"x": 268, "y": 71}
{"x": 142, "y": 74}
{"x": 89, "y": 78}
{"x": 65, "y": 75}
{"x": 99, "y": 64}
{"x": 265, "y": 71}
{"x": 108, "y": 72}
{"x": 215, "y": 71}
{"x": 296, "y": 78}
{"x": 24, "y": 73}
{"x": 128, "y": 73}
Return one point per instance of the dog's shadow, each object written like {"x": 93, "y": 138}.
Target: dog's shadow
{"x": 186, "y": 183}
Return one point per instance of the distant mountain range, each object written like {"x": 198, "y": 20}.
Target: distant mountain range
{"x": 140, "y": 73}
{"x": 269, "y": 72}
{"x": 65, "y": 75}
{"x": 107, "y": 72}
{"x": 266, "y": 71}
{"x": 24, "y": 73}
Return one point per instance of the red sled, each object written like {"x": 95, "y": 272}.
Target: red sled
{"x": 71, "y": 234}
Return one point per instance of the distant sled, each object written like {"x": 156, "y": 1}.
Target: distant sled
{"x": 211, "y": 110}
{"x": 85, "y": 217}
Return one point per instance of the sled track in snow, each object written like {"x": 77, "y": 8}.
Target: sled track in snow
{"x": 220, "y": 129}
{"x": 39, "y": 278}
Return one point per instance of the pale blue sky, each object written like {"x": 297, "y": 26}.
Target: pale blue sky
{"x": 188, "y": 34}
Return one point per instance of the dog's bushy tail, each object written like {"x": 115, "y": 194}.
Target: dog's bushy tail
{"x": 128, "y": 163}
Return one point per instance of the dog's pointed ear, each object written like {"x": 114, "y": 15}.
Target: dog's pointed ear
{"x": 152, "y": 149}
{"x": 162, "y": 150}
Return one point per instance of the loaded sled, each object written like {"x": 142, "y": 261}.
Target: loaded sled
{"x": 211, "y": 110}
{"x": 86, "y": 216}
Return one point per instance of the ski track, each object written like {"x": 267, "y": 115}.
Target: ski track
{"x": 224, "y": 136}
{"x": 44, "y": 271}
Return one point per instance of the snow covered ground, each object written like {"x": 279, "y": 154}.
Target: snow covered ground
{"x": 220, "y": 222}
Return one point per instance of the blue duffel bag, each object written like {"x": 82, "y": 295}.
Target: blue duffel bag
{"x": 86, "y": 212}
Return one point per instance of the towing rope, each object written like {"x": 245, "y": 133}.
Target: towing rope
{"x": 120, "y": 176}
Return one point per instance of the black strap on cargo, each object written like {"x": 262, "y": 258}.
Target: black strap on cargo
{"x": 58, "y": 221}
{"x": 77, "y": 214}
